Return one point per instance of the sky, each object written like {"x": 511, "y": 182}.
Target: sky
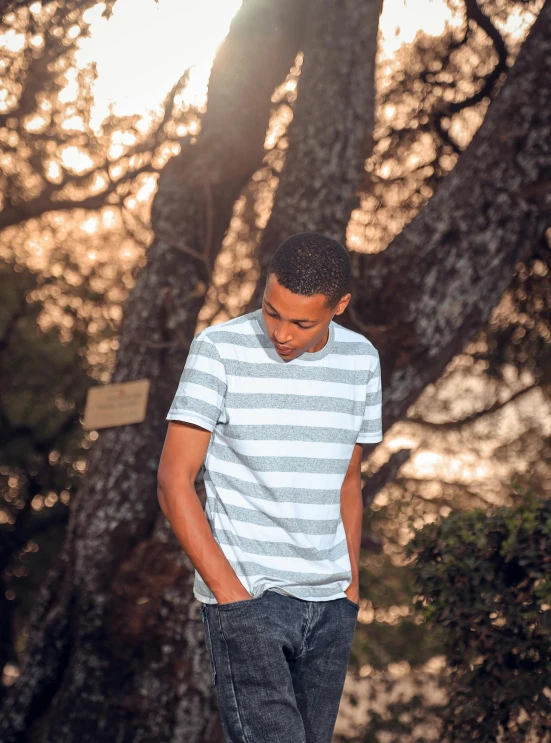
{"x": 143, "y": 49}
{"x": 146, "y": 45}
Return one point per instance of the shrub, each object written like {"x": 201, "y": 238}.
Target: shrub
{"x": 484, "y": 582}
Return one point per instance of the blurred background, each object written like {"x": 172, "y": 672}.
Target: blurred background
{"x": 96, "y": 100}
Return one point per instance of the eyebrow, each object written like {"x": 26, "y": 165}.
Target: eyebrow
{"x": 277, "y": 313}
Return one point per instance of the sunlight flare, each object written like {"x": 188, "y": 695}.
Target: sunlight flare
{"x": 143, "y": 49}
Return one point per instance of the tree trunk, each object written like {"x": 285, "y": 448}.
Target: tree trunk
{"x": 331, "y": 134}
{"x": 423, "y": 298}
{"x": 115, "y": 649}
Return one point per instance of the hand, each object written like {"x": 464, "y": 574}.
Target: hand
{"x": 353, "y": 593}
{"x": 228, "y": 598}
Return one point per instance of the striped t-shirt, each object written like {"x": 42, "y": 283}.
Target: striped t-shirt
{"x": 283, "y": 433}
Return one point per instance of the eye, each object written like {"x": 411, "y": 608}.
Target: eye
{"x": 302, "y": 327}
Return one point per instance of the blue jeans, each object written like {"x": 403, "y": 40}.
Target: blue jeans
{"x": 279, "y": 664}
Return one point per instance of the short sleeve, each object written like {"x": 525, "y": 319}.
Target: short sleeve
{"x": 371, "y": 430}
{"x": 199, "y": 398}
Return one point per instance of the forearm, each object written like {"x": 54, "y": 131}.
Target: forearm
{"x": 181, "y": 505}
{"x": 352, "y": 518}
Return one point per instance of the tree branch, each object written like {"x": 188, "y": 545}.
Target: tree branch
{"x": 475, "y": 14}
{"x": 468, "y": 420}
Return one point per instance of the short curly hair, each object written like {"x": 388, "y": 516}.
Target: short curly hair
{"x": 309, "y": 263}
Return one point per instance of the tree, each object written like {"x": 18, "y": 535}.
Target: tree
{"x": 135, "y": 536}
{"x": 43, "y": 447}
{"x": 116, "y": 612}
{"x": 438, "y": 281}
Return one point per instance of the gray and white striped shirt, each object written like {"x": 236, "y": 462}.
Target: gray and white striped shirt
{"x": 283, "y": 433}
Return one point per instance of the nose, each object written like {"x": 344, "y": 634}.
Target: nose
{"x": 282, "y": 335}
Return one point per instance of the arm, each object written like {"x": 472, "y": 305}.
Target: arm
{"x": 352, "y": 510}
{"x": 183, "y": 454}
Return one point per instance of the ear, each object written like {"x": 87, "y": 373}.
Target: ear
{"x": 343, "y": 304}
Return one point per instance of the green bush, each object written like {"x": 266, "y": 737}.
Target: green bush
{"x": 484, "y": 584}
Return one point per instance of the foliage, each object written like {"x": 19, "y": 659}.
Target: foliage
{"x": 484, "y": 582}
{"x": 42, "y": 391}
{"x": 407, "y": 713}
{"x": 432, "y": 97}
{"x": 53, "y": 156}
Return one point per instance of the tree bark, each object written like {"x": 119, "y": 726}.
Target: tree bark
{"x": 115, "y": 649}
{"x": 331, "y": 134}
{"x": 424, "y": 297}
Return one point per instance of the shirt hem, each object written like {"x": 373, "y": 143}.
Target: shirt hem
{"x": 189, "y": 418}
{"x": 371, "y": 440}
{"x": 205, "y": 600}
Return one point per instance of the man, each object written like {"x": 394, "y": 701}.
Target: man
{"x": 277, "y": 404}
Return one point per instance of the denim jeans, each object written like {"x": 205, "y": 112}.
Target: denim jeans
{"x": 278, "y": 665}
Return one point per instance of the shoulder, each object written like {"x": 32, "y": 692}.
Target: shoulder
{"x": 350, "y": 343}
{"x": 225, "y": 332}
{"x": 224, "y": 338}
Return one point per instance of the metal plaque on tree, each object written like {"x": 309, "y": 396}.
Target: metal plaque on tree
{"x": 116, "y": 404}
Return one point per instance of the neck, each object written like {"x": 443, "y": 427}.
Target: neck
{"x": 321, "y": 343}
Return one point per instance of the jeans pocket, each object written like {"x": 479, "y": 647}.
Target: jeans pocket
{"x": 242, "y": 602}
{"x": 209, "y": 643}
{"x": 352, "y": 603}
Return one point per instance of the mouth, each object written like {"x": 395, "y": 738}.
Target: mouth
{"x": 283, "y": 350}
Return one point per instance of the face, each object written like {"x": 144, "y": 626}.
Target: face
{"x": 296, "y": 323}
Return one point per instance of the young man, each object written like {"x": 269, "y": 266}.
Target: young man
{"x": 277, "y": 404}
